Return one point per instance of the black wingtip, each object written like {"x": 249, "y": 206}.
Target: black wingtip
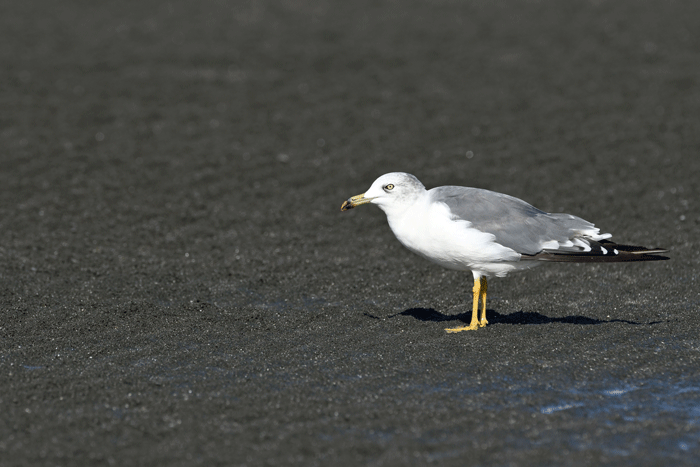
{"x": 603, "y": 251}
{"x": 653, "y": 257}
{"x": 639, "y": 250}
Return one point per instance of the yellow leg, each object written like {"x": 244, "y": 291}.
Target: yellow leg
{"x": 482, "y": 294}
{"x": 474, "y": 325}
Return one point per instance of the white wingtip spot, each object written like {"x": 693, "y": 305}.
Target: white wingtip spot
{"x": 605, "y": 252}
{"x": 615, "y": 251}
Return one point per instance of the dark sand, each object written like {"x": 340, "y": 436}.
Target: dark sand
{"x": 179, "y": 287}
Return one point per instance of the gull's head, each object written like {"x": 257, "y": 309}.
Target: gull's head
{"x": 392, "y": 190}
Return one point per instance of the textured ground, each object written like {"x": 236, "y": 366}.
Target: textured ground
{"x": 179, "y": 287}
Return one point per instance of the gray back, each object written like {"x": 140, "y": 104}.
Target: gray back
{"x": 515, "y": 223}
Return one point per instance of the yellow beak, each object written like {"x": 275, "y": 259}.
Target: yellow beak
{"x": 354, "y": 202}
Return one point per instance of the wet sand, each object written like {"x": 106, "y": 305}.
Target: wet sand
{"x": 178, "y": 285}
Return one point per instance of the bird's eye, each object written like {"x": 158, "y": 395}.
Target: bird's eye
{"x": 389, "y": 187}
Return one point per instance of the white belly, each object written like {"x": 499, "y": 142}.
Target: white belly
{"x": 453, "y": 244}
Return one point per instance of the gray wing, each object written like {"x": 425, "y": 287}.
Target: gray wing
{"x": 515, "y": 223}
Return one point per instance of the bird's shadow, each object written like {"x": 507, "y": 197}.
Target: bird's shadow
{"x": 518, "y": 317}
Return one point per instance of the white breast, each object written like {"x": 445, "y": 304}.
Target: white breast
{"x": 451, "y": 243}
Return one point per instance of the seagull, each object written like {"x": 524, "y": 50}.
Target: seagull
{"x": 487, "y": 233}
